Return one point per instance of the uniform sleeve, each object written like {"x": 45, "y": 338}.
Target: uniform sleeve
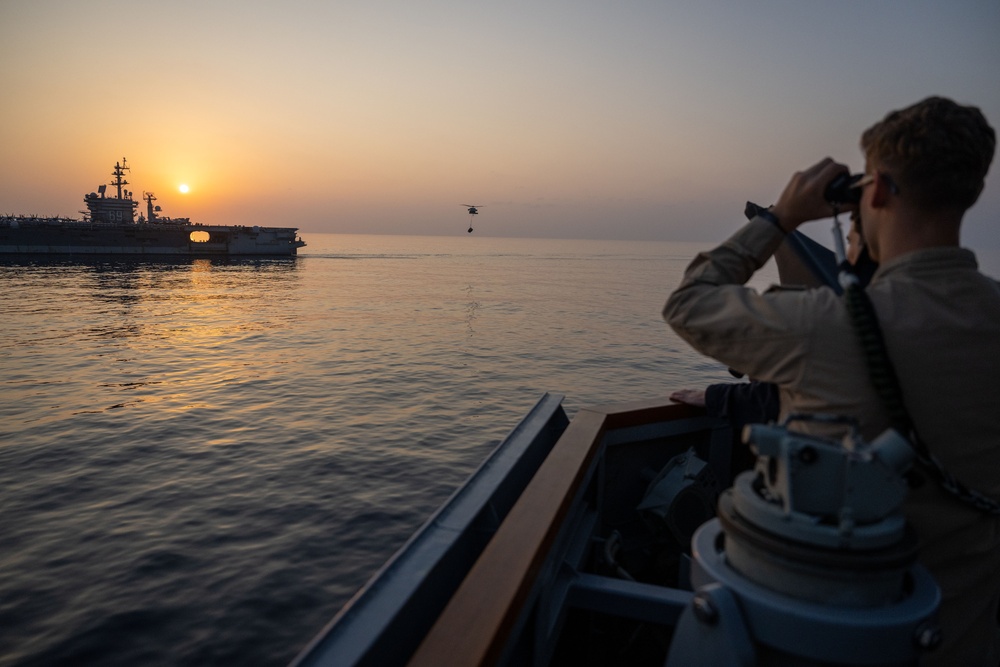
{"x": 761, "y": 335}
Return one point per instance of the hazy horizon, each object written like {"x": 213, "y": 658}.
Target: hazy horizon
{"x": 647, "y": 121}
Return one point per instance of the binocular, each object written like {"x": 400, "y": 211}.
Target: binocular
{"x": 841, "y": 190}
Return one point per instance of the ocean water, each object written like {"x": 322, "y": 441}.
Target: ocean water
{"x": 201, "y": 461}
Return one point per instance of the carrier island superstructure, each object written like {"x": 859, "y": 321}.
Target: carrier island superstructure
{"x": 110, "y": 227}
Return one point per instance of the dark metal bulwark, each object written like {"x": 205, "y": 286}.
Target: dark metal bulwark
{"x": 512, "y": 606}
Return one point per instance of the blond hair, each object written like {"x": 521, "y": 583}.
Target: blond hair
{"x": 937, "y": 152}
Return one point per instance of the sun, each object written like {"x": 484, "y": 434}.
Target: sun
{"x": 183, "y": 188}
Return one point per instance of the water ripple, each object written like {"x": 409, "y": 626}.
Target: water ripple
{"x": 201, "y": 461}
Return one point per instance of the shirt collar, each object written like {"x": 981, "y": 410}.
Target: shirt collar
{"x": 943, "y": 257}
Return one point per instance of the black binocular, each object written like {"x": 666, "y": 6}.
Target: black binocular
{"x": 841, "y": 190}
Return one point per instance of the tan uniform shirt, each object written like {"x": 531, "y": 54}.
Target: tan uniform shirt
{"x": 940, "y": 319}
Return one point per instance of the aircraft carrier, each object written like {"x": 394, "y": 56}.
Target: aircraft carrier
{"x": 110, "y": 227}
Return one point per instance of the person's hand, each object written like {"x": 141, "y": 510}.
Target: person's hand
{"x": 802, "y": 200}
{"x": 695, "y": 397}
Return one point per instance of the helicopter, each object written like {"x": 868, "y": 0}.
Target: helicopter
{"x": 473, "y": 210}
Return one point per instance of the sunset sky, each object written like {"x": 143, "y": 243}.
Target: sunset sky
{"x": 637, "y": 120}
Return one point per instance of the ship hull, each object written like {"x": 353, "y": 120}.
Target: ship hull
{"x": 60, "y": 237}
